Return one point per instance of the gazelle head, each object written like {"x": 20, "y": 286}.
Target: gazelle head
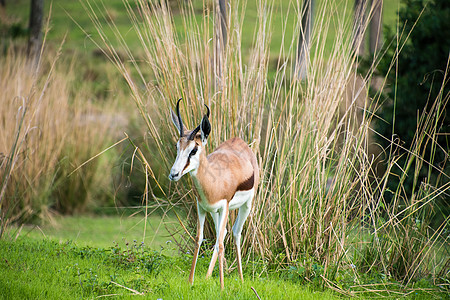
{"x": 189, "y": 145}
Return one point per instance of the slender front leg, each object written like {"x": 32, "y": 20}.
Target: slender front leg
{"x": 201, "y": 222}
{"x": 223, "y": 226}
{"x": 216, "y": 218}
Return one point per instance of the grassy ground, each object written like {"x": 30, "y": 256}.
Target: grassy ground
{"x": 42, "y": 269}
{"x": 88, "y": 257}
{"x": 33, "y": 269}
{"x": 103, "y": 231}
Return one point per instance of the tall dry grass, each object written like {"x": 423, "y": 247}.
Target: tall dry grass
{"x": 318, "y": 202}
{"x": 47, "y": 130}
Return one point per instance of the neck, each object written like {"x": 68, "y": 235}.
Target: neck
{"x": 198, "y": 174}
{"x": 202, "y": 166}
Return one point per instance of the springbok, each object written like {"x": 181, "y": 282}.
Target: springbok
{"x": 225, "y": 180}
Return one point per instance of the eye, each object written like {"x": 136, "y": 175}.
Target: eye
{"x": 193, "y": 152}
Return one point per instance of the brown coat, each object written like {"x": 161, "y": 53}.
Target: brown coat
{"x": 230, "y": 168}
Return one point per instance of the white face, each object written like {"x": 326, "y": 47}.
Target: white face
{"x": 188, "y": 159}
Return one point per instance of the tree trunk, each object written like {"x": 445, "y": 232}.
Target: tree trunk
{"x": 375, "y": 34}
{"x": 221, "y": 36}
{"x": 35, "y": 27}
{"x": 359, "y": 20}
{"x": 304, "y": 39}
{"x": 223, "y": 21}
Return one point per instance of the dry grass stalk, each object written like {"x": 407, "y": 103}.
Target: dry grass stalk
{"x": 317, "y": 189}
{"x": 47, "y": 130}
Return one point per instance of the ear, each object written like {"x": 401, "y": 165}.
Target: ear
{"x": 205, "y": 129}
{"x": 175, "y": 120}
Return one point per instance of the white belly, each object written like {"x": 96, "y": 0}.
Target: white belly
{"x": 240, "y": 198}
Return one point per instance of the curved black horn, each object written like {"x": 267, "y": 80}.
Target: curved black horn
{"x": 179, "y": 118}
{"x": 193, "y": 133}
{"x": 197, "y": 129}
{"x": 207, "y": 112}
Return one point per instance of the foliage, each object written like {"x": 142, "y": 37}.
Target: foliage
{"x": 418, "y": 78}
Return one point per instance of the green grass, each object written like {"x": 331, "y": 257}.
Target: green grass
{"x": 103, "y": 231}
{"x": 33, "y": 269}
{"x": 43, "y": 269}
{"x": 68, "y": 16}
{"x": 65, "y": 15}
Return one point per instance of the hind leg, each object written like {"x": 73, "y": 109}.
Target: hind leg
{"x": 243, "y": 213}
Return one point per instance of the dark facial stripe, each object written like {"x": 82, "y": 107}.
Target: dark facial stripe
{"x": 187, "y": 164}
{"x": 247, "y": 184}
{"x": 193, "y": 151}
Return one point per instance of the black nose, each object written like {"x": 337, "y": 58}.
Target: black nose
{"x": 172, "y": 176}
